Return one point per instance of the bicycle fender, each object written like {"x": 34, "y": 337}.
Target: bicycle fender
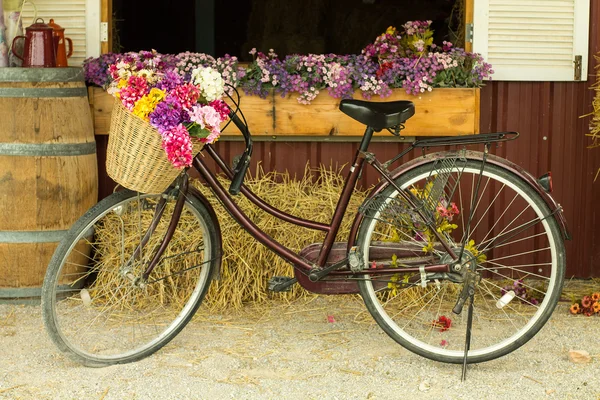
{"x": 556, "y": 208}
{"x": 213, "y": 215}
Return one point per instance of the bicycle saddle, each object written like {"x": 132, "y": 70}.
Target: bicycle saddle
{"x": 378, "y": 115}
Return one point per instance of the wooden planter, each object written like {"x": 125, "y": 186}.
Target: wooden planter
{"x": 441, "y": 112}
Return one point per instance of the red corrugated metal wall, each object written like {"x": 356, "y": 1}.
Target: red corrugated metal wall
{"x": 547, "y": 114}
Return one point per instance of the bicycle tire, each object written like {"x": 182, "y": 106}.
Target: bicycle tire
{"x": 92, "y": 308}
{"x": 531, "y": 262}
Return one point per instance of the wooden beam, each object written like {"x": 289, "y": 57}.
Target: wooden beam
{"x": 106, "y": 16}
{"x": 468, "y": 13}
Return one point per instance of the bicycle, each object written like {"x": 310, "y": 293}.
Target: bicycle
{"x": 447, "y": 230}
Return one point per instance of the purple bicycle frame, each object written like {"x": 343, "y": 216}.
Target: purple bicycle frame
{"x": 331, "y": 229}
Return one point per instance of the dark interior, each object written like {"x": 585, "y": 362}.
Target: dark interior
{"x": 292, "y": 26}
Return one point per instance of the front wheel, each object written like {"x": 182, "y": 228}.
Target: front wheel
{"x": 506, "y": 235}
{"x": 96, "y": 308}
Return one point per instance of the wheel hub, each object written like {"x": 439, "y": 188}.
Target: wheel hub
{"x": 467, "y": 261}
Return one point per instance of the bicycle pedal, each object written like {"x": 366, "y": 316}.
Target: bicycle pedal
{"x": 281, "y": 283}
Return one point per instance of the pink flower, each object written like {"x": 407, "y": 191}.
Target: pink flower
{"x": 187, "y": 95}
{"x": 113, "y": 71}
{"x": 206, "y": 116}
{"x": 447, "y": 212}
{"x": 136, "y": 88}
{"x": 221, "y": 107}
{"x": 178, "y": 146}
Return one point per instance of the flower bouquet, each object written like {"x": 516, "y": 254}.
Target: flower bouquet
{"x": 160, "y": 119}
{"x": 587, "y": 305}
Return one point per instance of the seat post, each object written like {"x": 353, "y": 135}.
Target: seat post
{"x": 364, "y": 144}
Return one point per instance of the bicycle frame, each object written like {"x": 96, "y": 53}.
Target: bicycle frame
{"x": 317, "y": 269}
{"x": 331, "y": 229}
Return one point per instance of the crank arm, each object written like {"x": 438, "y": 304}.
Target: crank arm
{"x": 316, "y": 274}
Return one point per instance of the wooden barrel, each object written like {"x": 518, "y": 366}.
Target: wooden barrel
{"x": 48, "y": 170}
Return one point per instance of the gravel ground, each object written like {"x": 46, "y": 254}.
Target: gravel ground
{"x": 293, "y": 351}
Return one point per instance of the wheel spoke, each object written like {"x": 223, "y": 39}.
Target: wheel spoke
{"x": 505, "y": 233}
{"x": 109, "y": 314}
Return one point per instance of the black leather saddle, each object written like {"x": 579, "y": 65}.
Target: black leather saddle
{"x": 378, "y": 115}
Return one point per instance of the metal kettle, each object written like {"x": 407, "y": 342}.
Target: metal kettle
{"x": 60, "y": 44}
{"x": 39, "y": 46}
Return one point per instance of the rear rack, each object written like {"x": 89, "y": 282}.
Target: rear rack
{"x": 481, "y": 138}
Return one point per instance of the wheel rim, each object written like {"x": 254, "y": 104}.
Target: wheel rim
{"x": 101, "y": 314}
{"x": 433, "y": 338}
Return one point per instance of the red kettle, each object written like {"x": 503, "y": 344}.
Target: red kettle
{"x": 39, "y": 46}
{"x": 60, "y": 42}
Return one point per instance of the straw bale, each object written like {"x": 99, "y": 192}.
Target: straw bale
{"x": 247, "y": 264}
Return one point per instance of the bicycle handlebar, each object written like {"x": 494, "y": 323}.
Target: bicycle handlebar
{"x": 240, "y": 169}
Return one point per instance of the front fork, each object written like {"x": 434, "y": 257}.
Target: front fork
{"x": 181, "y": 188}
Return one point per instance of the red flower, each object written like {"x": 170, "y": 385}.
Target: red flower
{"x": 443, "y": 322}
{"x": 586, "y": 302}
{"x": 383, "y": 68}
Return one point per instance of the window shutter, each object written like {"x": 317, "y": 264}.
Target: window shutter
{"x": 80, "y": 18}
{"x": 532, "y": 40}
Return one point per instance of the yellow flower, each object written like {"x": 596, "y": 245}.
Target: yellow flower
{"x": 393, "y": 285}
{"x": 481, "y": 258}
{"x": 144, "y": 106}
{"x": 390, "y": 30}
{"x": 122, "y": 83}
{"x": 157, "y": 95}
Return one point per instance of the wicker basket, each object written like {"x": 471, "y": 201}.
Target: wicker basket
{"x": 135, "y": 158}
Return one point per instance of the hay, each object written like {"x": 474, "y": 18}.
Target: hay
{"x": 247, "y": 264}
{"x": 595, "y": 120}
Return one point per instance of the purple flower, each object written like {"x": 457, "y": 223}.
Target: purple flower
{"x": 167, "y": 115}
{"x": 170, "y": 80}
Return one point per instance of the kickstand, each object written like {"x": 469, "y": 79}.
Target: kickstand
{"x": 468, "y": 337}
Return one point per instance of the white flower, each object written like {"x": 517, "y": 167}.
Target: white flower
{"x": 210, "y": 81}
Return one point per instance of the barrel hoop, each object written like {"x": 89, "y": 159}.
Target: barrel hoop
{"x": 47, "y": 149}
{"x": 43, "y": 92}
{"x": 31, "y": 236}
{"x": 20, "y": 293}
{"x": 33, "y": 292}
{"x": 41, "y": 75}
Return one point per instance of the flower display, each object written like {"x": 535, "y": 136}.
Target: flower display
{"x": 406, "y": 59}
{"x": 182, "y": 107}
{"x": 386, "y": 45}
{"x": 587, "y": 305}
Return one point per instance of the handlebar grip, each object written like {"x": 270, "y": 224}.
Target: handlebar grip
{"x": 240, "y": 173}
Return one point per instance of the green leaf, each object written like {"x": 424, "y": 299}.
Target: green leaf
{"x": 197, "y": 131}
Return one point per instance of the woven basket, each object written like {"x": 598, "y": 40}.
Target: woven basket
{"x": 135, "y": 158}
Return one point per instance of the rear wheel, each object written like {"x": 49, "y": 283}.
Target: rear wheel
{"x": 96, "y": 308}
{"x": 504, "y": 231}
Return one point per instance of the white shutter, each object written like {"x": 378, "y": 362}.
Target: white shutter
{"x": 80, "y": 18}
{"x": 532, "y": 40}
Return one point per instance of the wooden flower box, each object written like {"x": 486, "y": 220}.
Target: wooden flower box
{"x": 441, "y": 112}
